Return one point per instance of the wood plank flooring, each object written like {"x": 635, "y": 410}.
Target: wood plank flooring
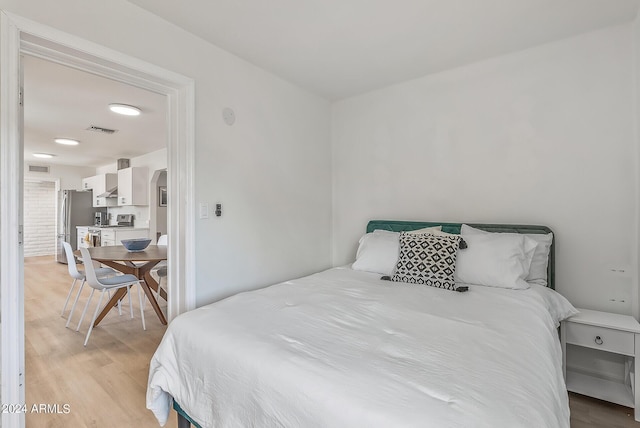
{"x": 104, "y": 384}
{"x": 587, "y": 412}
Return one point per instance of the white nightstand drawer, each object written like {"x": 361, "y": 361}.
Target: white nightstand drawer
{"x": 606, "y": 339}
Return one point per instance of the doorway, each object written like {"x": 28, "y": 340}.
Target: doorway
{"x": 54, "y": 326}
{"x": 18, "y": 36}
{"x": 158, "y": 203}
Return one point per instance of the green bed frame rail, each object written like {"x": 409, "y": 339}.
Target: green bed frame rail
{"x": 403, "y": 226}
{"x": 184, "y": 420}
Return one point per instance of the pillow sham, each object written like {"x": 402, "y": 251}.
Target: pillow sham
{"x": 431, "y": 229}
{"x": 377, "y": 252}
{"x": 436, "y": 230}
{"x": 495, "y": 260}
{"x": 427, "y": 259}
{"x": 538, "y": 271}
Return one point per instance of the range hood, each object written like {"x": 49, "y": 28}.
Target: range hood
{"x": 111, "y": 193}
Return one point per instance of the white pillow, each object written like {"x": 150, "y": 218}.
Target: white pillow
{"x": 538, "y": 270}
{"x": 495, "y": 260}
{"x": 434, "y": 230}
{"x": 378, "y": 252}
{"x": 425, "y": 230}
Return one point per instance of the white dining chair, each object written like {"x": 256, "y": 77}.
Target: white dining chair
{"x": 105, "y": 284}
{"x": 77, "y": 274}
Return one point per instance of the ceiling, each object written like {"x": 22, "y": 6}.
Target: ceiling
{"x": 339, "y": 48}
{"x": 63, "y": 102}
{"x": 335, "y": 48}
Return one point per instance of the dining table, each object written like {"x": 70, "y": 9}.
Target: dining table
{"x": 138, "y": 263}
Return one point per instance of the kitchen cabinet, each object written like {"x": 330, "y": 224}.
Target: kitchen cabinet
{"x": 110, "y": 237}
{"x": 133, "y": 186}
{"x": 83, "y": 231}
{"x": 89, "y": 183}
{"x": 100, "y": 184}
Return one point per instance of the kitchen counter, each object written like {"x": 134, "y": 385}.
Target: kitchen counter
{"x": 113, "y": 227}
{"x": 108, "y": 236}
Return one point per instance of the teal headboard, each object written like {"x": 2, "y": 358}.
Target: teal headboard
{"x": 400, "y": 226}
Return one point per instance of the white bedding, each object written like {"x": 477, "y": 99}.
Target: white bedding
{"x": 344, "y": 349}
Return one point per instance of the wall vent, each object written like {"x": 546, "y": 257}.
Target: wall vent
{"x": 101, "y": 129}
{"x": 39, "y": 168}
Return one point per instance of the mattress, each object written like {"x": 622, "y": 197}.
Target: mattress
{"x": 343, "y": 348}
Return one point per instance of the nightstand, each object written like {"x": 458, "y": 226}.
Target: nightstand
{"x": 618, "y": 334}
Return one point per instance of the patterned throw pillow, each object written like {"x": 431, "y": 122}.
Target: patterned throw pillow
{"x": 427, "y": 259}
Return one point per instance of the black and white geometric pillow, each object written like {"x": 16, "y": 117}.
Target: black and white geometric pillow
{"x": 427, "y": 259}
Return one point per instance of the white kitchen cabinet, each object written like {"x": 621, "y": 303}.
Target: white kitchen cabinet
{"x": 100, "y": 184}
{"x": 133, "y": 186}
{"x": 82, "y": 233}
{"x": 89, "y": 183}
{"x": 110, "y": 237}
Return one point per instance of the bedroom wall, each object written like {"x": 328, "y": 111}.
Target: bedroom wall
{"x": 544, "y": 136}
{"x": 271, "y": 170}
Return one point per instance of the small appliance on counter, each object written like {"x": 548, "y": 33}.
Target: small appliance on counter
{"x": 101, "y": 218}
{"x": 124, "y": 220}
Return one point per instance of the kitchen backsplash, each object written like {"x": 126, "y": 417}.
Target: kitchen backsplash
{"x": 141, "y": 215}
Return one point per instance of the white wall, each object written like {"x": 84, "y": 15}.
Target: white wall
{"x": 40, "y": 213}
{"x": 161, "y": 212}
{"x": 39, "y": 218}
{"x": 271, "y": 170}
{"x": 70, "y": 177}
{"x": 544, "y": 136}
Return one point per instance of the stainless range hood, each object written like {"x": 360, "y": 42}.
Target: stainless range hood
{"x": 111, "y": 193}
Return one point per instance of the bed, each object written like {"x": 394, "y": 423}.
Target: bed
{"x": 345, "y": 348}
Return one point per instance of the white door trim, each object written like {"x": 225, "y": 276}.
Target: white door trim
{"x": 11, "y": 249}
{"x": 19, "y": 35}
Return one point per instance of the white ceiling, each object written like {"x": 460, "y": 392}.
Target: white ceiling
{"x": 335, "y": 48}
{"x": 63, "y": 102}
{"x": 339, "y": 48}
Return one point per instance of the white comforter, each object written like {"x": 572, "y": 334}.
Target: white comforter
{"x": 344, "y": 349}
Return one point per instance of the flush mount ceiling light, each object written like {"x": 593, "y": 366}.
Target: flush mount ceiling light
{"x": 125, "y": 109}
{"x": 67, "y": 141}
{"x": 43, "y": 155}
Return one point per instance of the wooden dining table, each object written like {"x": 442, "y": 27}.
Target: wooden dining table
{"x": 138, "y": 263}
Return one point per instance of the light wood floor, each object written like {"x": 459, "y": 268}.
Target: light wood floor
{"x": 105, "y": 383}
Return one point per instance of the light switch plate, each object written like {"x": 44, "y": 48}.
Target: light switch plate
{"x": 204, "y": 210}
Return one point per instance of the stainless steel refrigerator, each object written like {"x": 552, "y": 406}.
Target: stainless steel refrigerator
{"x": 75, "y": 208}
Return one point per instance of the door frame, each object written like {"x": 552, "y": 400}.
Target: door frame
{"x": 18, "y": 36}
